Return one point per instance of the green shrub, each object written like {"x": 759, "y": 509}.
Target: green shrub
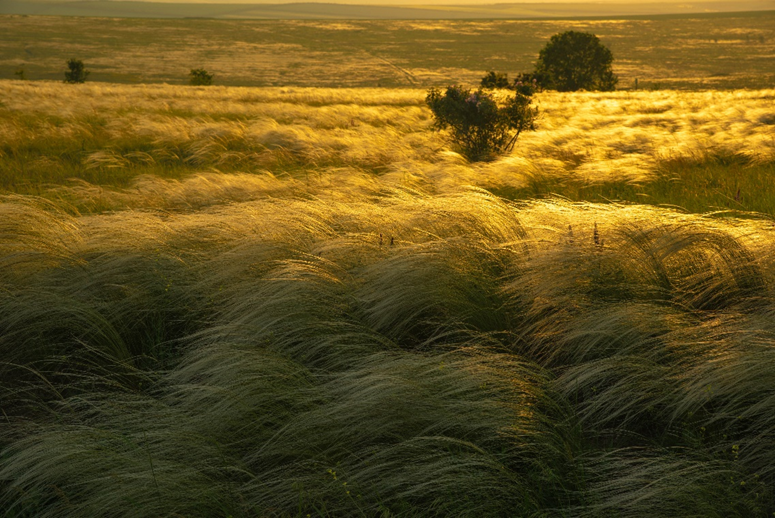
{"x": 199, "y": 77}
{"x": 77, "y": 72}
{"x": 574, "y": 61}
{"x": 477, "y": 125}
{"x": 530, "y": 81}
{"x": 495, "y": 80}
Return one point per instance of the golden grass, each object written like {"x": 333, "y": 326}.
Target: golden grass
{"x": 322, "y": 137}
{"x": 712, "y": 50}
{"x": 277, "y": 302}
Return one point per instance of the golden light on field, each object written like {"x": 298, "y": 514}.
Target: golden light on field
{"x": 272, "y": 301}
{"x": 344, "y": 136}
{"x": 671, "y": 52}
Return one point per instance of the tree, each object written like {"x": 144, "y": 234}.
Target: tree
{"x": 477, "y": 125}
{"x": 495, "y": 80}
{"x": 199, "y": 77}
{"x": 573, "y": 61}
{"x": 77, "y": 73}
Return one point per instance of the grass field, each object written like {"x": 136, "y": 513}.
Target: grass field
{"x": 703, "y": 151}
{"x": 723, "y": 50}
{"x": 252, "y": 302}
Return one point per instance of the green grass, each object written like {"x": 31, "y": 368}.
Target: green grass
{"x": 159, "y": 364}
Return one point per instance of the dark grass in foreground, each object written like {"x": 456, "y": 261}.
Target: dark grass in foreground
{"x": 280, "y": 358}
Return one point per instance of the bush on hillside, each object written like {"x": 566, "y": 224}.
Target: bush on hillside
{"x": 477, "y": 124}
{"x": 536, "y": 82}
{"x": 77, "y": 73}
{"x": 493, "y": 80}
{"x": 199, "y": 77}
{"x": 574, "y": 61}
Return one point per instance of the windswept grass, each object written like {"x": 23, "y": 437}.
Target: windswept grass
{"x": 351, "y": 323}
{"x": 703, "y": 151}
{"x": 272, "y": 357}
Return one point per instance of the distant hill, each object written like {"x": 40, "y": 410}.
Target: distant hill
{"x": 136, "y": 9}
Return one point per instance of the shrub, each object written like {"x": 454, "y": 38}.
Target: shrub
{"x": 536, "y": 81}
{"x": 477, "y": 125}
{"x": 573, "y": 61}
{"x": 199, "y": 77}
{"x": 495, "y": 80}
{"x": 77, "y": 72}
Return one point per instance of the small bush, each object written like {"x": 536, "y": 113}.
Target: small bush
{"x": 477, "y": 125}
{"x": 536, "y": 82}
{"x": 199, "y": 77}
{"x": 495, "y": 80}
{"x": 77, "y": 72}
{"x": 574, "y": 61}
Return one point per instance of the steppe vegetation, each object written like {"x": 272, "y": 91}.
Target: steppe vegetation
{"x": 76, "y": 71}
{"x": 702, "y": 151}
{"x": 574, "y": 61}
{"x": 722, "y": 50}
{"x": 300, "y": 302}
{"x": 479, "y": 126}
{"x": 200, "y": 77}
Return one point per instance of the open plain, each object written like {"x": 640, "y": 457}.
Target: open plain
{"x": 700, "y": 51}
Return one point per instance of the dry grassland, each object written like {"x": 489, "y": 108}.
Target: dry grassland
{"x": 704, "y": 151}
{"x": 722, "y": 50}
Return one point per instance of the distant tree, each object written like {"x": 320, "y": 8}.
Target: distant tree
{"x": 477, "y": 125}
{"x": 573, "y": 61}
{"x": 495, "y": 80}
{"x": 199, "y": 77}
{"x": 77, "y": 72}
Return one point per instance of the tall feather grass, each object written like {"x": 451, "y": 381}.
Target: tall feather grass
{"x": 700, "y": 150}
{"x": 340, "y": 340}
{"x": 279, "y": 357}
